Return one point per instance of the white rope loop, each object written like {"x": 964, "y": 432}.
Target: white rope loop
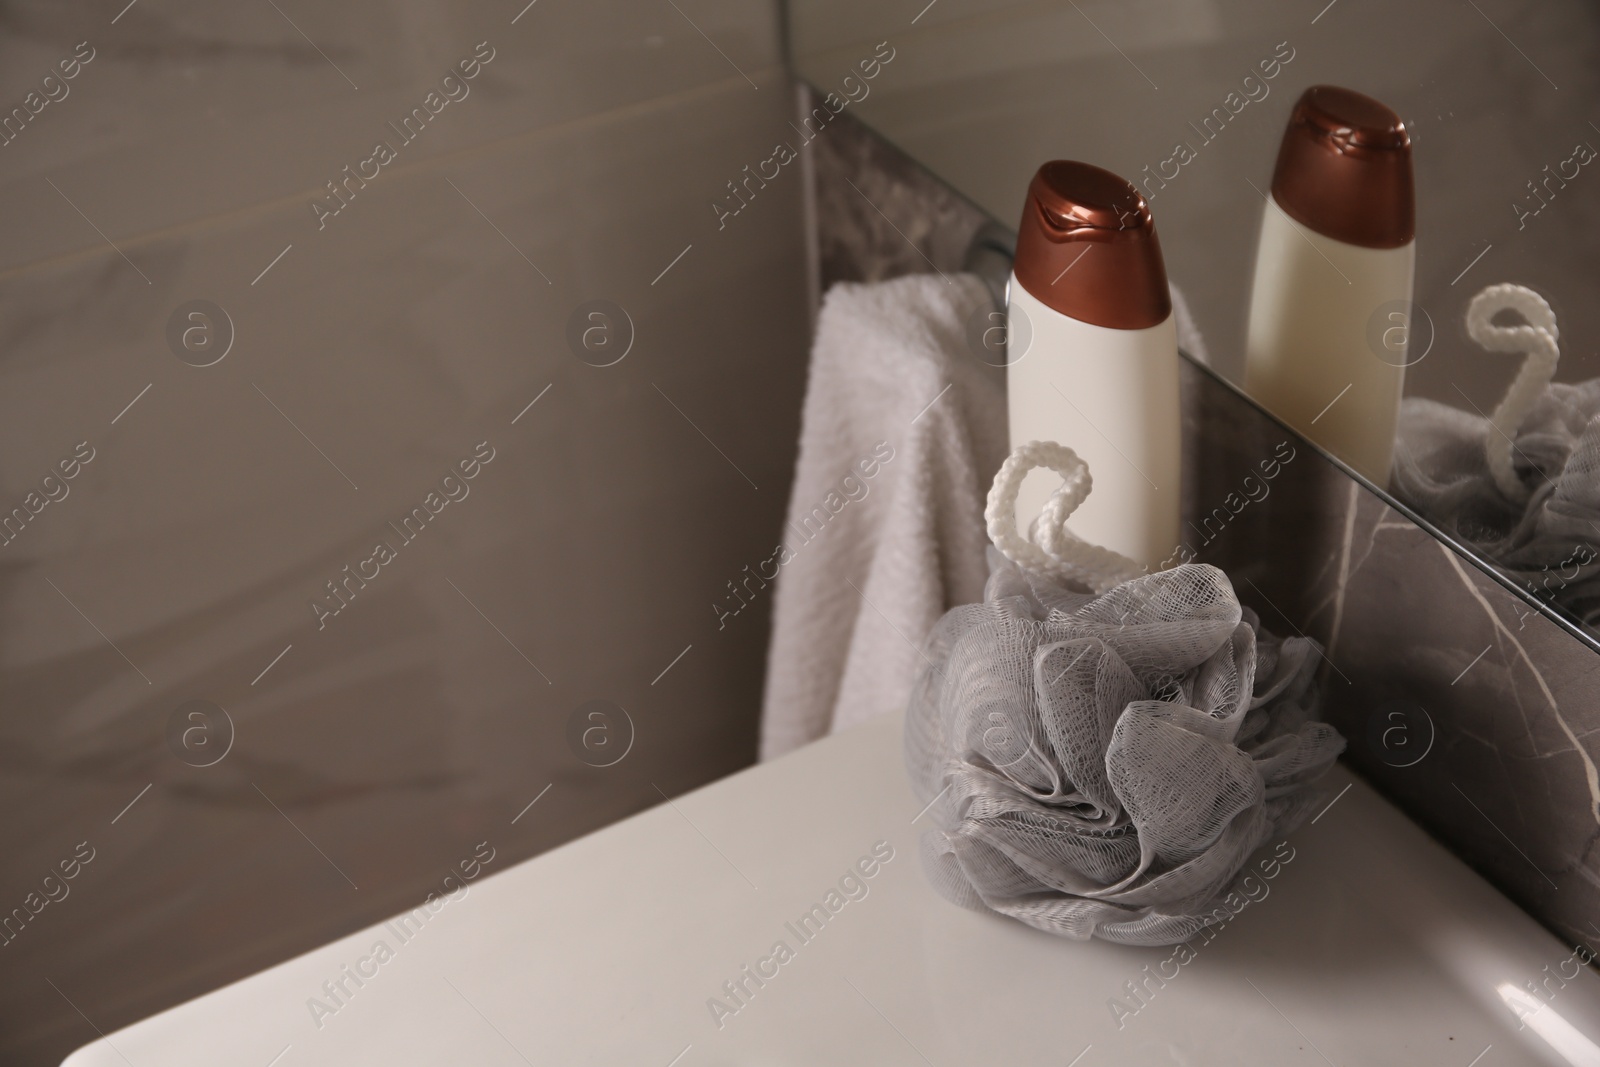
{"x": 1538, "y": 338}
{"x": 1052, "y": 550}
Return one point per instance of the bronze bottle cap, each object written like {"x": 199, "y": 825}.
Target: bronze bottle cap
{"x": 1087, "y": 248}
{"x": 1344, "y": 169}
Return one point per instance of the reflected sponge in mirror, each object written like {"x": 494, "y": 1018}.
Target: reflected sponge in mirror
{"x": 1520, "y": 487}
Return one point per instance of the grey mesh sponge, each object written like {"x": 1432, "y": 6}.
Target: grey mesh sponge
{"x": 1103, "y": 766}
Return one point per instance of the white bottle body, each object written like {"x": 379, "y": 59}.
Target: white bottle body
{"x": 1311, "y": 305}
{"x": 1112, "y": 397}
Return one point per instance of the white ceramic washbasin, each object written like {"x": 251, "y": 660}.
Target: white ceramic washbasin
{"x": 1372, "y": 945}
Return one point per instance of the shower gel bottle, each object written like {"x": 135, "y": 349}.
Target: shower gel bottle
{"x": 1094, "y": 358}
{"x": 1330, "y": 308}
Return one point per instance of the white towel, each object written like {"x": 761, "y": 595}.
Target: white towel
{"x": 903, "y": 429}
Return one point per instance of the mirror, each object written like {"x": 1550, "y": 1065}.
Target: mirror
{"x": 1190, "y": 101}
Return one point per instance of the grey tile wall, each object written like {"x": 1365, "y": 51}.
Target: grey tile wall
{"x": 370, "y": 750}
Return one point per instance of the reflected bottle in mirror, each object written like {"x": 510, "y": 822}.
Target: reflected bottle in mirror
{"x": 1330, "y": 305}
